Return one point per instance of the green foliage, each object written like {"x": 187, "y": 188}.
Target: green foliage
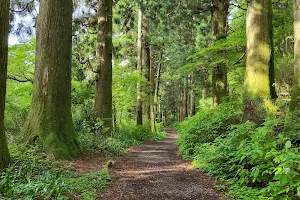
{"x": 206, "y": 125}
{"x": 117, "y": 143}
{"x": 256, "y": 162}
{"x": 34, "y": 175}
{"x": 88, "y": 185}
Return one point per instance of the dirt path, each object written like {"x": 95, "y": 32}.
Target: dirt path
{"x": 154, "y": 170}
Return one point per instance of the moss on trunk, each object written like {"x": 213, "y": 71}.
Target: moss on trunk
{"x": 4, "y": 28}
{"x": 103, "y": 97}
{"x": 259, "y": 78}
{"x": 293, "y": 115}
{"x": 50, "y": 121}
{"x": 219, "y": 31}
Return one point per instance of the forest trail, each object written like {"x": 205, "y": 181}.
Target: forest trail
{"x": 154, "y": 170}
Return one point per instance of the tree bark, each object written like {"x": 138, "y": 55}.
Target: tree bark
{"x": 294, "y": 107}
{"x": 4, "y": 29}
{"x": 103, "y": 97}
{"x": 158, "y": 74}
{"x": 185, "y": 99}
{"x": 192, "y": 96}
{"x": 259, "y": 87}
{"x": 152, "y": 90}
{"x": 295, "y": 100}
{"x": 147, "y": 61}
{"x": 50, "y": 120}
{"x": 219, "y": 31}
{"x": 139, "y": 114}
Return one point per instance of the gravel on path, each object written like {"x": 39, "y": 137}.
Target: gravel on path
{"x": 155, "y": 171}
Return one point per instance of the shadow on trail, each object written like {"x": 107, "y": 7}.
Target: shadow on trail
{"x": 154, "y": 170}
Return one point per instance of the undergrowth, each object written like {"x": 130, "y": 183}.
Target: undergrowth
{"x": 255, "y": 162}
{"x": 35, "y": 175}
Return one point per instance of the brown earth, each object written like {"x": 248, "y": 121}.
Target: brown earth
{"x": 154, "y": 170}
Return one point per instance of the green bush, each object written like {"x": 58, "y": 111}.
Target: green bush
{"x": 257, "y": 162}
{"x": 118, "y": 142}
{"x": 206, "y": 125}
{"x": 34, "y": 175}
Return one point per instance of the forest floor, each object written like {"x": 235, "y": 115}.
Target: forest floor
{"x": 155, "y": 170}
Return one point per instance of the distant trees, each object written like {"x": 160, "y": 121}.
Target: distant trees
{"x": 103, "y": 97}
{"x": 259, "y": 81}
{"x": 50, "y": 121}
{"x": 4, "y": 29}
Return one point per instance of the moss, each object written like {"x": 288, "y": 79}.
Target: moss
{"x": 49, "y": 123}
{"x": 219, "y": 25}
{"x": 259, "y": 87}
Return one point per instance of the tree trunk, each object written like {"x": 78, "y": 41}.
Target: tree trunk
{"x": 152, "y": 90}
{"x": 103, "y": 97}
{"x": 260, "y": 61}
{"x": 139, "y": 107}
{"x": 192, "y": 96}
{"x": 156, "y": 105}
{"x": 147, "y": 61}
{"x": 294, "y": 107}
{"x": 50, "y": 120}
{"x": 295, "y": 101}
{"x": 219, "y": 31}
{"x": 4, "y": 29}
{"x": 185, "y": 99}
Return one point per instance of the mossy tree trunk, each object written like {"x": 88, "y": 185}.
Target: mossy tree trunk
{"x": 139, "y": 106}
{"x": 50, "y": 120}
{"x": 294, "y": 108}
{"x": 259, "y": 80}
{"x": 219, "y": 31}
{"x": 295, "y": 100}
{"x": 103, "y": 97}
{"x": 4, "y": 29}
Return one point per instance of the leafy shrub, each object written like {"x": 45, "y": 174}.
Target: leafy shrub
{"x": 253, "y": 158}
{"x": 206, "y": 125}
{"x": 117, "y": 143}
{"x": 34, "y": 175}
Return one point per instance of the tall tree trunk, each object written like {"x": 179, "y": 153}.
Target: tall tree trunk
{"x": 147, "y": 61}
{"x": 219, "y": 31}
{"x": 192, "y": 96}
{"x": 158, "y": 74}
{"x": 152, "y": 90}
{"x": 260, "y": 64}
{"x": 295, "y": 101}
{"x": 185, "y": 98}
{"x": 294, "y": 107}
{"x": 139, "y": 107}
{"x": 4, "y": 29}
{"x": 50, "y": 120}
{"x": 103, "y": 97}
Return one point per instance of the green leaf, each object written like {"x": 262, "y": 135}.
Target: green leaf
{"x": 288, "y": 144}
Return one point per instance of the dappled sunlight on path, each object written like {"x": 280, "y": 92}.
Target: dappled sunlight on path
{"x": 154, "y": 170}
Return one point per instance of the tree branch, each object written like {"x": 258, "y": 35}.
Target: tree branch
{"x": 241, "y": 58}
{"x": 86, "y": 61}
{"x": 238, "y": 6}
{"x": 22, "y": 9}
{"x": 14, "y": 78}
